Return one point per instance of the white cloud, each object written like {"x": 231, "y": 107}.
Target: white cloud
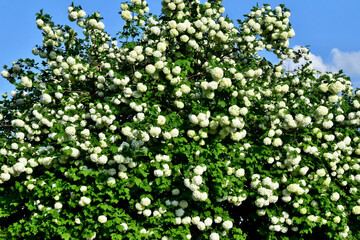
{"x": 349, "y": 62}
{"x": 317, "y": 63}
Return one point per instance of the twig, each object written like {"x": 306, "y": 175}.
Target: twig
{"x": 195, "y": 75}
{"x": 79, "y": 92}
{"x": 228, "y": 53}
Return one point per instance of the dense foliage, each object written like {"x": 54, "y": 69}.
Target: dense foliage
{"x": 177, "y": 129}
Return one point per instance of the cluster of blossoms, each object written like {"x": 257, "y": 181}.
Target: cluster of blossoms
{"x": 178, "y": 129}
{"x": 265, "y": 189}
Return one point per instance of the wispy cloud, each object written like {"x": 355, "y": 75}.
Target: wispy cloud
{"x": 317, "y": 62}
{"x": 349, "y": 62}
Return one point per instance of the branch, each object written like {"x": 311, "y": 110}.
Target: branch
{"x": 195, "y": 75}
{"x": 79, "y": 92}
{"x": 228, "y": 53}
{"x": 83, "y": 99}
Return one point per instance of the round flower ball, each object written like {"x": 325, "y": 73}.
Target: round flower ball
{"x": 126, "y": 15}
{"x": 227, "y": 224}
{"x": 214, "y": 236}
{"x": 58, "y": 205}
{"x": 356, "y": 210}
{"x": 102, "y": 219}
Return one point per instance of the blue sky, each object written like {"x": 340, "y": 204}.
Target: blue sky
{"x": 331, "y": 28}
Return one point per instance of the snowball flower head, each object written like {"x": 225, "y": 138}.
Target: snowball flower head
{"x": 5, "y": 74}
{"x": 356, "y": 210}
{"x": 155, "y": 30}
{"x": 84, "y": 201}
{"x": 158, "y": 173}
{"x": 83, "y": 189}
{"x": 234, "y": 110}
{"x": 150, "y": 69}
{"x": 214, "y": 236}
{"x": 322, "y": 111}
{"x": 217, "y": 73}
{"x": 46, "y": 98}
{"x": 58, "y": 205}
{"x": 70, "y": 131}
{"x": 91, "y": 236}
{"x": 176, "y": 70}
{"x": 227, "y": 224}
{"x": 81, "y": 14}
{"x": 161, "y": 120}
{"x": 198, "y": 170}
{"x": 126, "y": 15}
{"x": 102, "y": 159}
{"x": 102, "y": 219}
{"x": 267, "y": 141}
{"x": 19, "y": 167}
{"x": 145, "y": 201}
{"x": 335, "y": 196}
{"x": 147, "y": 212}
{"x": 71, "y": 61}
{"x": 155, "y": 131}
{"x": 5, "y": 177}
{"x": 208, "y": 222}
{"x": 125, "y": 226}
{"x": 26, "y": 82}
{"x": 336, "y": 87}
{"x": 240, "y": 172}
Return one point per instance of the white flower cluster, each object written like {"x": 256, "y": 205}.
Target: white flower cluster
{"x": 170, "y": 112}
{"x": 73, "y": 14}
{"x": 195, "y": 183}
{"x": 202, "y": 119}
{"x": 126, "y": 15}
{"x": 265, "y": 189}
{"x": 84, "y": 201}
{"x": 26, "y": 82}
{"x": 278, "y": 224}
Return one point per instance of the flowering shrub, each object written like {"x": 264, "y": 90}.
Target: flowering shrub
{"x": 178, "y": 130}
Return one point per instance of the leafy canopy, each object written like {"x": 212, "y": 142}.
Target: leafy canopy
{"x": 177, "y": 129}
